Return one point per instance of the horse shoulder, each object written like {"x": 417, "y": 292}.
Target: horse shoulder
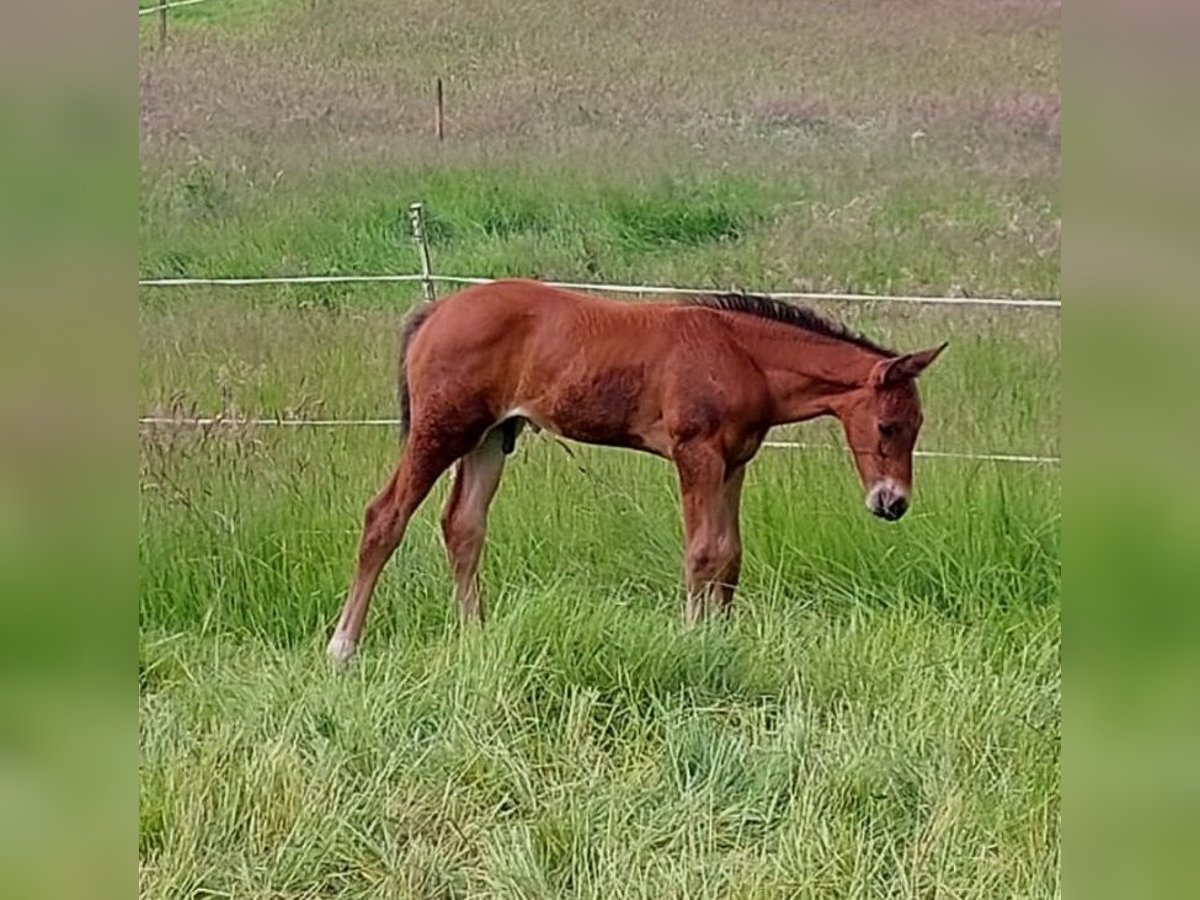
{"x": 714, "y": 387}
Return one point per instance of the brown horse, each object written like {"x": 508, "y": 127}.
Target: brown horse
{"x": 698, "y": 382}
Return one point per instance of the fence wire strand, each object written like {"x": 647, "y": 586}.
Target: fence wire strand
{"x": 643, "y": 289}
{"x": 217, "y": 421}
{"x": 147, "y": 10}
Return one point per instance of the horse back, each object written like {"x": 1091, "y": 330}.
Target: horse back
{"x": 632, "y": 374}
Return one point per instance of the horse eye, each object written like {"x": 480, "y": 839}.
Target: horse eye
{"x": 887, "y": 429}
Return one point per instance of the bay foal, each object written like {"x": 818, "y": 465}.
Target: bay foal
{"x": 698, "y": 382}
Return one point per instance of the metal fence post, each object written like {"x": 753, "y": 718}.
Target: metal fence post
{"x": 416, "y": 216}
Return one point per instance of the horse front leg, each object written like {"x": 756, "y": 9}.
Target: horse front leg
{"x": 727, "y": 578}
{"x": 709, "y": 547}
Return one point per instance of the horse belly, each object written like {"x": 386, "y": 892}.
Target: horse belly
{"x": 609, "y": 407}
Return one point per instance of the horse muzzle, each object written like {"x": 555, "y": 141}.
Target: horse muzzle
{"x": 887, "y": 500}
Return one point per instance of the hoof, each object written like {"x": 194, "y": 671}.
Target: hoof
{"x": 340, "y": 649}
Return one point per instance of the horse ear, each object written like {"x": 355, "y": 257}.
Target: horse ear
{"x": 904, "y": 368}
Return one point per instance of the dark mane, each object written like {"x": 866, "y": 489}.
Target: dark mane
{"x": 789, "y": 314}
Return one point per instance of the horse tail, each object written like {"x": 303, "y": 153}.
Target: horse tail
{"x": 408, "y": 330}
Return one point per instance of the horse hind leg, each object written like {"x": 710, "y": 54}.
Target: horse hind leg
{"x": 464, "y": 518}
{"x": 385, "y": 522}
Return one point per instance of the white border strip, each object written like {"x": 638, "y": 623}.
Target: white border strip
{"x": 352, "y": 423}
{"x": 588, "y": 286}
{"x": 146, "y": 10}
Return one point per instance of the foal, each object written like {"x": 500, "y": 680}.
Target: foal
{"x": 698, "y": 382}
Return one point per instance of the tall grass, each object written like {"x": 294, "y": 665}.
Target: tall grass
{"x": 880, "y": 718}
{"x": 916, "y": 233}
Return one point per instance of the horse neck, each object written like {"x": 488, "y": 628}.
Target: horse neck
{"x": 808, "y": 374}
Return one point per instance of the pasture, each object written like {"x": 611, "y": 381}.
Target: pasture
{"x": 880, "y": 718}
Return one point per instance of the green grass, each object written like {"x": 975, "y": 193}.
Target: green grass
{"x": 916, "y": 232}
{"x": 207, "y": 16}
{"x": 881, "y": 717}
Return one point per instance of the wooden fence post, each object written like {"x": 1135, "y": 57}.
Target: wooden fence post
{"x": 416, "y": 217}
{"x": 162, "y": 25}
{"x": 439, "y": 120}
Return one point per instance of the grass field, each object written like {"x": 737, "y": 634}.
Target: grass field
{"x": 881, "y": 718}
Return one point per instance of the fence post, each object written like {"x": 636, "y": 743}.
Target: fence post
{"x": 416, "y": 216}
{"x": 438, "y": 111}
{"x": 162, "y": 25}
